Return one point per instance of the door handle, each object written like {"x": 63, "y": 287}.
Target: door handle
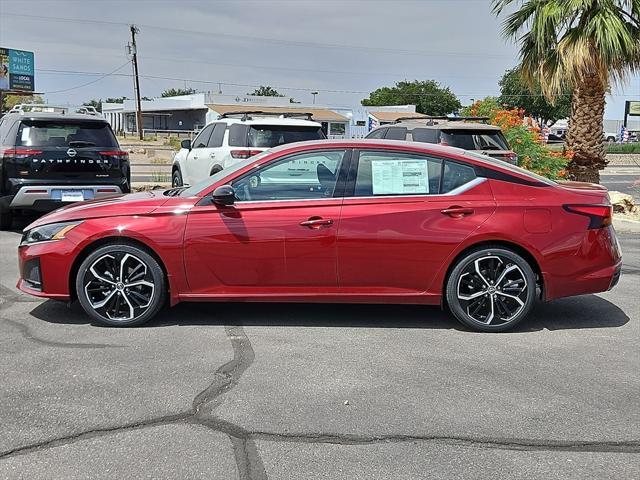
{"x": 212, "y": 155}
{"x": 457, "y": 212}
{"x": 317, "y": 222}
{"x": 194, "y": 157}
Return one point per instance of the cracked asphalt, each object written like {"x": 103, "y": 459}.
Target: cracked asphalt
{"x": 251, "y": 391}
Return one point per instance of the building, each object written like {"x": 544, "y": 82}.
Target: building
{"x": 189, "y": 113}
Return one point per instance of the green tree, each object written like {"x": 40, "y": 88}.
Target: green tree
{"x": 583, "y": 45}
{"x": 10, "y": 101}
{"x": 94, "y": 103}
{"x": 115, "y": 100}
{"x": 176, "y": 92}
{"x": 515, "y": 92}
{"x": 428, "y": 96}
{"x": 266, "y": 91}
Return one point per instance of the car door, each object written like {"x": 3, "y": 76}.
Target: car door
{"x": 281, "y": 231}
{"x": 197, "y": 158}
{"x": 402, "y": 215}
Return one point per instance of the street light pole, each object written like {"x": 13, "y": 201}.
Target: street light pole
{"x": 134, "y": 52}
{"x": 314, "y": 97}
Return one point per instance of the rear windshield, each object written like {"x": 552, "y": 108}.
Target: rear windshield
{"x": 267, "y": 136}
{"x": 474, "y": 139}
{"x": 65, "y": 134}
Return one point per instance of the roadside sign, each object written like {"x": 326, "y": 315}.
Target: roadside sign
{"x": 17, "y": 71}
{"x": 634, "y": 108}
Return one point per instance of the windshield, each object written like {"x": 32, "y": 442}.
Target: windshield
{"x": 216, "y": 177}
{"x": 36, "y": 133}
{"x": 267, "y": 136}
{"x": 509, "y": 166}
{"x": 474, "y": 139}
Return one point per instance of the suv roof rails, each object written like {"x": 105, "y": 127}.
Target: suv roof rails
{"x": 46, "y": 108}
{"x": 247, "y": 115}
{"x": 431, "y": 118}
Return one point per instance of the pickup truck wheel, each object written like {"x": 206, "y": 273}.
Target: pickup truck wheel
{"x": 176, "y": 179}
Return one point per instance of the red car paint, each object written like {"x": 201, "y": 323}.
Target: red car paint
{"x": 375, "y": 249}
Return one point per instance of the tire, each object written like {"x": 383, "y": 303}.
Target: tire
{"x": 215, "y": 169}
{"x": 6, "y": 215}
{"x": 114, "y": 303}
{"x": 491, "y": 289}
{"x": 176, "y": 179}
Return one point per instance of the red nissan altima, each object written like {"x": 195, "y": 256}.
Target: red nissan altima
{"x": 368, "y": 221}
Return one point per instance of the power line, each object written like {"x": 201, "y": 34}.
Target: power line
{"x": 91, "y": 82}
{"x": 298, "y": 43}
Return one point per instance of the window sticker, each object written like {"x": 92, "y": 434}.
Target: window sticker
{"x": 397, "y": 177}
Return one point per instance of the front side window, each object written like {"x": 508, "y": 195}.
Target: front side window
{"x": 379, "y": 133}
{"x": 202, "y": 139}
{"x": 312, "y": 175}
{"x": 396, "y": 173}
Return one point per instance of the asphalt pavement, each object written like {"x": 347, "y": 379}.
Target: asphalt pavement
{"x": 257, "y": 391}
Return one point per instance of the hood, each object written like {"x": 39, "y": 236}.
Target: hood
{"x": 140, "y": 203}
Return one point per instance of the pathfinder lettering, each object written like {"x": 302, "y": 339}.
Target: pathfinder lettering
{"x": 68, "y": 160}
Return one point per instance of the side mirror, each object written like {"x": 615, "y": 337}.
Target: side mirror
{"x": 186, "y": 144}
{"x": 224, "y": 195}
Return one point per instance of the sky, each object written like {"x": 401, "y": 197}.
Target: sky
{"x": 342, "y": 49}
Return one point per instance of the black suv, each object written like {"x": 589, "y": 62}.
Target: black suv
{"x": 468, "y": 133}
{"x": 51, "y": 158}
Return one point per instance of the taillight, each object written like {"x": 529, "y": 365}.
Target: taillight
{"x": 244, "y": 153}
{"x": 20, "y": 152}
{"x": 511, "y": 157}
{"x": 599, "y": 215}
{"x": 116, "y": 154}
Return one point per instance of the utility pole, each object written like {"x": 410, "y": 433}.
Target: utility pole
{"x": 134, "y": 52}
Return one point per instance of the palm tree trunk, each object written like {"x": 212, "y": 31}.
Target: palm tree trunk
{"x": 586, "y": 136}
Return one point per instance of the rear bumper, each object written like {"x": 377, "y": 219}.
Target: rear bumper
{"x": 45, "y": 197}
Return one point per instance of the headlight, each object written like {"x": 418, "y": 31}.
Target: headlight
{"x": 53, "y": 231}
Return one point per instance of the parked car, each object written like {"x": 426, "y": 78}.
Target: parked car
{"x": 51, "y": 158}
{"x": 611, "y": 137}
{"x": 380, "y": 222}
{"x": 236, "y": 136}
{"x": 461, "y": 132}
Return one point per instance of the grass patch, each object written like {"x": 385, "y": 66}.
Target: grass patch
{"x": 623, "y": 147}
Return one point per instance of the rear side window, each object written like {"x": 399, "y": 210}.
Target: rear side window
{"x": 396, "y": 173}
{"x": 425, "y": 135}
{"x": 42, "y": 133}
{"x": 396, "y": 133}
{"x": 218, "y": 135}
{"x": 238, "y": 135}
{"x": 379, "y": 133}
{"x": 455, "y": 175}
{"x": 267, "y": 136}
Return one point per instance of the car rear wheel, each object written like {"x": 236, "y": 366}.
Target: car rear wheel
{"x": 491, "y": 289}
{"x": 176, "y": 179}
{"x": 120, "y": 285}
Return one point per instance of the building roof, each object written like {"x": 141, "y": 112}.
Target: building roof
{"x": 393, "y": 116}
{"x": 319, "y": 114}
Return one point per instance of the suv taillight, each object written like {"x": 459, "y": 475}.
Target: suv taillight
{"x": 20, "y": 152}
{"x": 512, "y": 158}
{"x": 244, "y": 153}
{"x": 599, "y": 215}
{"x": 119, "y": 154}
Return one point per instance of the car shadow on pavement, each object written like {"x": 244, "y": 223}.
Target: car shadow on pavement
{"x": 588, "y": 311}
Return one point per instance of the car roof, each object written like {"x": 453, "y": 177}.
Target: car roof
{"x": 266, "y": 120}
{"x": 54, "y": 116}
{"x": 444, "y": 125}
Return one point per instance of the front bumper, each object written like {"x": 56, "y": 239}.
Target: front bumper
{"x": 54, "y": 260}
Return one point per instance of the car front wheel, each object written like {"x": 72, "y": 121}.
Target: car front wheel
{"x": 120, "y": 285}
{"x": 491, "y": 289}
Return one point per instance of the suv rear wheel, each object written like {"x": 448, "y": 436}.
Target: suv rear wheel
{"x": 6, "y": 215}
{"x": 176, "y": 179}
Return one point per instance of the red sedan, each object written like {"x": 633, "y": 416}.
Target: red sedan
{"x": 368, "y": 221}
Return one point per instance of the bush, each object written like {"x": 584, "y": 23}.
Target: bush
{"x": 523, "y": 138}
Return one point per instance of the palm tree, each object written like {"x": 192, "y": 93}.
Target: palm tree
{"x": 585, "y": 45}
